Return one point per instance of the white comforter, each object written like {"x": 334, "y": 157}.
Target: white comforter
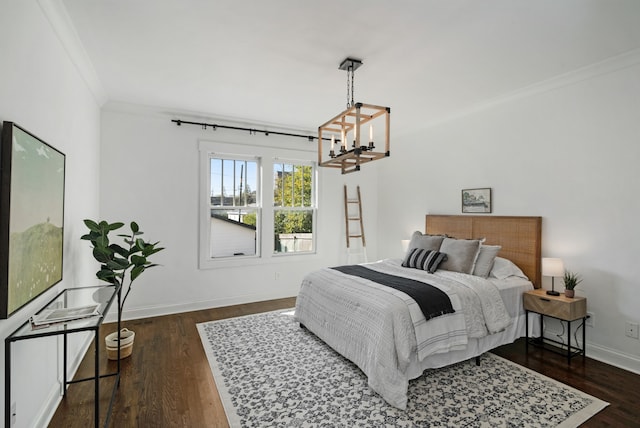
{"x": 379, "y": 328}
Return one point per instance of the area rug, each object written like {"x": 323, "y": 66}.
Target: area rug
{"x": 272, "y": 373}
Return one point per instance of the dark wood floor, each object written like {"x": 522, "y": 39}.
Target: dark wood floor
{"x": 618, "y": 387}
{"x": 167, "y": 381}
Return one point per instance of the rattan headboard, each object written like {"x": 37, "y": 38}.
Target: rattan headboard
{"x": 520, "y": 237}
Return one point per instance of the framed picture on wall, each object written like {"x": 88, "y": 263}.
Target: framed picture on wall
{"x": 476, "y": 200}
{"x": 31, "y": 217}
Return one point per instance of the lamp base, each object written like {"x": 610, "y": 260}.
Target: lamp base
{"x": 552, "y": 293}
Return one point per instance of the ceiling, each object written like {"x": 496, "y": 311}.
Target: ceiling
{"x": 276, "y": 62}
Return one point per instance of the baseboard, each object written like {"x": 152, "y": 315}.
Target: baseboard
{"x": 160, "y": 310}
{"x": 601, "y": 353}
{"x": 50, "y": 405}
{"x": 614, "y": 358}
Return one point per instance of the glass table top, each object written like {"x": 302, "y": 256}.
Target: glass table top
{"x": 70, "y": 298}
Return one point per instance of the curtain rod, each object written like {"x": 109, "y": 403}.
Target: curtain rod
{"x": 251, "y": 131}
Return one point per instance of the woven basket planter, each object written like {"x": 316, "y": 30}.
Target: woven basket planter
{"x": 126, "y": 344}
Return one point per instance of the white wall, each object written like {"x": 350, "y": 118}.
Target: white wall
{"x": 566, "y": 150}
{"x": 41, "y": 90}
{"x": 150, "y": 174}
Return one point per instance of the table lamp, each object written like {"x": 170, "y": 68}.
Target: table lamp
{"x": 552, "y": 267}
{"x": 405, "y": 245}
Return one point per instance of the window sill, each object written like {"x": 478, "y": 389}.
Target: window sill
{"x": 231, "y": 262}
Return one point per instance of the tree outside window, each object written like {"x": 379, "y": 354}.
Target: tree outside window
{"x": 294, "y": 208}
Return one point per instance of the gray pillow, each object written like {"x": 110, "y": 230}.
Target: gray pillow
{"x": 484, "y": 262}
{"x": 425, "y": 242}
{"x": 461, "y": 254}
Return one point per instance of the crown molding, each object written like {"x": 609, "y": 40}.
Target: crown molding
{"x": 607, "y": 66}
{"x": 183, "y": 114}
{"x": 57, "y": 15}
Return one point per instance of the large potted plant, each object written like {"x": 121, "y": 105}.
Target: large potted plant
{"x": 571, "y": 281}
{"x": 120, "y": 265}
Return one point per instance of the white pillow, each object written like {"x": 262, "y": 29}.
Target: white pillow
{"x": 504, "y": 268}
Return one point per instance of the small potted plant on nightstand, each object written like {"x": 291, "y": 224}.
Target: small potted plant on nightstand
{"x": 571, "y": 281}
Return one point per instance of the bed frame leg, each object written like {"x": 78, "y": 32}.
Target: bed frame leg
{"x": 478, "y": 360}
{"x": 302, "y": 326}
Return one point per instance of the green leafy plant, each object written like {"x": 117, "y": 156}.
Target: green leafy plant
{"x": 119, "y": 263}
{"x": 571, "y": 280}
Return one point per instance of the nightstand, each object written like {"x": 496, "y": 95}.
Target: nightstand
{"x": 561, "y": 308}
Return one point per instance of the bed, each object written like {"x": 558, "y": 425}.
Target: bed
{"x": 392, "y": 338}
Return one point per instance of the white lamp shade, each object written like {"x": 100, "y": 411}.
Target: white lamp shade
{"x": 405, "y": 245}
{"x": 552, "y": 267}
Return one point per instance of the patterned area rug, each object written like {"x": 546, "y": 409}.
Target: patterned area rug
{"x": 272, "y": 373}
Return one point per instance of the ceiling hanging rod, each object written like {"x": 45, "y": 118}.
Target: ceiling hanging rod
{"x": 251, "y": 131}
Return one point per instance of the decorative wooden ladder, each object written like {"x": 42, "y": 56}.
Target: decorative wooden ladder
{"x": 352, "y": 219}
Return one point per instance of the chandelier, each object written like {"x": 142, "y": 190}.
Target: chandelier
{"x": 348, "y": 125}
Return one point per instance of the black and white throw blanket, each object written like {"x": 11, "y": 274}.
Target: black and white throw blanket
{"x": 433, "y": 302}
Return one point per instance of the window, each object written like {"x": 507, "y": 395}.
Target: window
{"x": 234, "y": 207}
{"x": 255, "y": 208}
{"x": 294, "y": 207}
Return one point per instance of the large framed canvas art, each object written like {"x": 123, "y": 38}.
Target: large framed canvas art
{"x": 31, "y": 217}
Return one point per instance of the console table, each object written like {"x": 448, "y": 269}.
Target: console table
{"x": 103, "y": 296}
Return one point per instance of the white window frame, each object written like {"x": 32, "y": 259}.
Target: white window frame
{"x": 267, "y": 157}
{"x": 205, "y": 209}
